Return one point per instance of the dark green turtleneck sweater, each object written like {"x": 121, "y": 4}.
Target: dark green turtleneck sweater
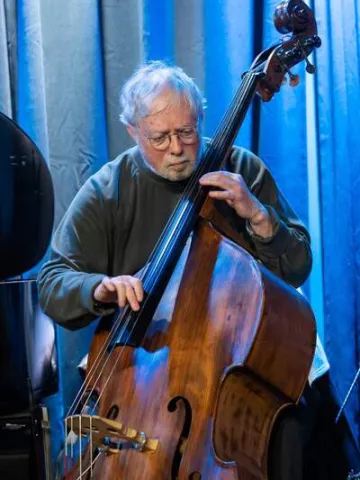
{"x": 116, "y": 218}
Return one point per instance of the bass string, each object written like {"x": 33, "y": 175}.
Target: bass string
{"x": 121, "y": 324}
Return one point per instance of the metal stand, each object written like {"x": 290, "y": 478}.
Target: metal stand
{"x": 347, "y": 395}
{"x": 351, "y": 475}
{"x": 25, "y": 445}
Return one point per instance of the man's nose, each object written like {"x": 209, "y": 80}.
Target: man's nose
{"x": 176, "y": 145}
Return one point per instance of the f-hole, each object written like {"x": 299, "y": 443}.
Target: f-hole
{"x": 195, "y": 476}
{"x": 113, "y": 412}
{"x": 172, "y": 407}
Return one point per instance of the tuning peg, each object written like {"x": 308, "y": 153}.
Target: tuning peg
{"x": 294, "y": 79}
{"x": 310, "y": 68}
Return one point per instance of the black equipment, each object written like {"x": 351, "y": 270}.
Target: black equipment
{"x": 26, "y": 201}
{"x": 28, "y": 361}
{"x": 28, "y": 366}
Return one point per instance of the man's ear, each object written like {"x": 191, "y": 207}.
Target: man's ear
{"x": 132, "y": 132}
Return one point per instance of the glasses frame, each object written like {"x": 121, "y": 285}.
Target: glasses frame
{"x": 167, "y": 138}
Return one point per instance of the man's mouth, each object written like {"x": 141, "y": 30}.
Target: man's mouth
{"x": 179, "y": 164}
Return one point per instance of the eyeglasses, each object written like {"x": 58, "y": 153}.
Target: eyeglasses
{"x": 188, "y": 136}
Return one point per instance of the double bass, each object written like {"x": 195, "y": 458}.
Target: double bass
{"x": 190, "y": 386}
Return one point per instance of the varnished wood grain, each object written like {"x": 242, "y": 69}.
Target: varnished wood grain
{"x": 221, "y": 311}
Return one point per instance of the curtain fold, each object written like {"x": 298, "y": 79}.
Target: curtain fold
{"x": 31, "y": 112}
{"x": 189, "y": 45}
{"x": 75, "y": 96}
{"x": 5, "y": 93}
{"x": 228, "y": 39}
{"x": 8, "y": 64}
{"x": 123, "y": 50}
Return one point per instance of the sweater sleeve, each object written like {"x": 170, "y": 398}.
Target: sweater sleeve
{"x": 78, "y": 260}
{"x": 287, "y": 253}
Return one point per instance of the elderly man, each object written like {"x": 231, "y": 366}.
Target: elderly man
{"x": 113, "y": 224}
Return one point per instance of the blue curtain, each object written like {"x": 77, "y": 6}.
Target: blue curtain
{"x": 338, "y": 103}
{"x": 61, "y": 67}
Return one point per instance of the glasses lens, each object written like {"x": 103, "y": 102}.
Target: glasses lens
{"x": 188, "y": 135}
{"x": 160, "y": 143}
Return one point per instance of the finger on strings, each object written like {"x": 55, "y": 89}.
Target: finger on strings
{"x": 131, "y": 298}
{"x": 222, "y": 194}
{"x": 121, "y": 294}
{"x": 107, "y": 282}
{"x": 138, "y": 287}
{"x": 218, "y": 179}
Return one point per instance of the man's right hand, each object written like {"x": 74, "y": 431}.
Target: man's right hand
{"x": 122, "y": 290}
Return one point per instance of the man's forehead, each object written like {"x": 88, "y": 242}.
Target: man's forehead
{"x": 165, "y": 116}
{"x": 167, "y": 102}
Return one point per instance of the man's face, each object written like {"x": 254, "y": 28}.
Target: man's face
{"x": 178, "y": 160}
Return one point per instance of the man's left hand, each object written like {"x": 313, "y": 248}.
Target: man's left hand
{"x": 233, "y": 189}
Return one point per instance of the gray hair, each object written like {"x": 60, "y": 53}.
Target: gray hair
{"x": 147, "y": 83}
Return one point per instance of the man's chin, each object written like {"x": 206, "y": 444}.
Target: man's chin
{"x": 178, "y": 175}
